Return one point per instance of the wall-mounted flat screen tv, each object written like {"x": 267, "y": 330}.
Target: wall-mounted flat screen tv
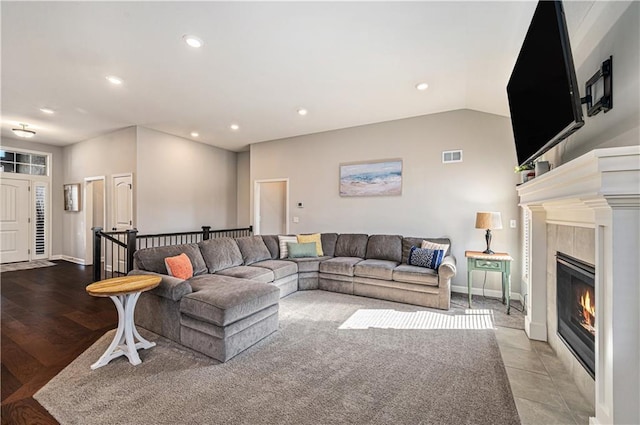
{"x": 543, "y": 92}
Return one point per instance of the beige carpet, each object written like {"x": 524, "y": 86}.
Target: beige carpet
{"x": 25, "y": 265}
{"x": 335, "y": 359}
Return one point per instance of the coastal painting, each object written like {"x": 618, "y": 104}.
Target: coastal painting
{"x": 371, "y": 178}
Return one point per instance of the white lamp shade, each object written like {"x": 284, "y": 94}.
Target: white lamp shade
{"x": 488, "y": 220}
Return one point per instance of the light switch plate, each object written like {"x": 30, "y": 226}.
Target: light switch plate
{"x": 512, "y": 223}
{"x": 296, "y": 219}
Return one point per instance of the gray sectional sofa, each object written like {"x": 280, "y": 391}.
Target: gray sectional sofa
{"x": 231, "y": 302}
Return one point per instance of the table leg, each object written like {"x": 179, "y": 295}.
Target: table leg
{"x": 469, "y": 285}
{"x": 503, "y": 286}
{"x": 508, "y": 287}
{"x": 123, "y": 343}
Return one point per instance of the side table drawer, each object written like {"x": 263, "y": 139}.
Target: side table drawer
{"x": 488, "y": 265}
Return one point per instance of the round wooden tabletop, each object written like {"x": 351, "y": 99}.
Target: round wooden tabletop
{"x": 123, "y": 285}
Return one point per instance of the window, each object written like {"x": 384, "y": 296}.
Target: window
{"x": 23, "y": 163}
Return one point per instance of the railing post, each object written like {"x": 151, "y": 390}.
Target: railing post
{"x": 251, "y": 230}
{"x": 131, "y": 247}
{"x": 206, "y": 232}
{"x": 97, "y": 253}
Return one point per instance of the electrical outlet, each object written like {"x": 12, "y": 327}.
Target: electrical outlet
{"x": 512, "y": 224}
{"x": 296, "y": 219}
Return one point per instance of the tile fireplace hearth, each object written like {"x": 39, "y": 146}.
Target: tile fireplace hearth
{"x": 600, "y": 192}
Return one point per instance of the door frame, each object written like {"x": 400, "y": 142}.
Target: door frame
{"x": 256, "y": 203}
{"x": 88, "y": 214}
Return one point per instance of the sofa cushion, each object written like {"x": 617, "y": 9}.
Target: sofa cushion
{"x": 329, "y": 243}
{"x": 280, "y": 268}
{"x": 425, "y": 257}
{"x": 206, "y": 281}
{"x": 253, "y": 249}
{"x": 408, "y": 242}
{"x": 385, "y": 247}
{"x": 302, "y": 250}
{"x": 309, "y": 264}
{"x": 273, "y": 245}
{"x": 415, "y": 274}
{"x": 432, "y": 245}
{"x": 179, "y": 266}
{"x": 351, "y": 245}
{"x": 220, "y": 254}
{"x": 227, "y": 302}
{"x": 339, "y": 265}
{"x": 377, "y": 269}
{"x": 259, "y": 274}
{"x": 171, "y": 288}
{"x": 282, "y": 243}
{"x": 152, "y": 259}
{"x": 315, "y": 238}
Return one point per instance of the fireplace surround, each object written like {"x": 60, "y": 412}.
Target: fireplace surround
{"x": 575, "y": 303}
{"x": 599, "y": 190}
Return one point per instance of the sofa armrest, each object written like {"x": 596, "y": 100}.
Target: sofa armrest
{"x": 170, "y": 287}
{"x": 447, "y": 269}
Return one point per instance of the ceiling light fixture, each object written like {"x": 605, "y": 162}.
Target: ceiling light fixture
{"x": 234, "y": 127}
{"x": 23, "y": 132}
{"x": 302, "y": 111}
{"x": 47, "y": 110}
{"x": 194, "y": 134}
{"x": 114, "y": 80}
{"x": 422, "y": 86}
{"x": 193, "y": 41}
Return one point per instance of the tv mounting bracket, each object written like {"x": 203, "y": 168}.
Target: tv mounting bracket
{"x": 605, "y": 103}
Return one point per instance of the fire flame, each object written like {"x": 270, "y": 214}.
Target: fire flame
{"x": 588, "y": 309}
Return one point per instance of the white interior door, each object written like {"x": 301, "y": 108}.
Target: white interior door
{"x": 122, "y": 201}
{"x": 272, "y": 207}
{"x": 14, "y": 220}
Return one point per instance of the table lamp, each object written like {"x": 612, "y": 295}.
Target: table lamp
{"x": 488, "y": 221}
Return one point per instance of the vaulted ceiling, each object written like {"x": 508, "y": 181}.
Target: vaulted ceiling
{"x": 346, "y": 63}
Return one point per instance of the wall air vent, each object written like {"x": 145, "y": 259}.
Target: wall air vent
{"x": 452, "y": 156}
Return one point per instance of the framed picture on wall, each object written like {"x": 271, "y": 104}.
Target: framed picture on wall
{"x": 371, "y": 178}
{"x": 72, "y": 197}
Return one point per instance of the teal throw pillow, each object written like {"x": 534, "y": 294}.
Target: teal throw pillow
{"x": 300, "y": 250}
{"x": 424, "y": 257}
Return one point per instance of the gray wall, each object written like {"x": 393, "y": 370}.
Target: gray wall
{"x": 183, "y": 185}
{"x": 244, "y": 201}
{"x": 591, "y": 46}
{"x": 57, "y": 178}
{"x": 437, "y": 200}
{"x": 105, "y": 155}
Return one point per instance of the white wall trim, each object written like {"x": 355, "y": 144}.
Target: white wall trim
{"x": 490, "y": 293}
{"x": 70, "y": 259}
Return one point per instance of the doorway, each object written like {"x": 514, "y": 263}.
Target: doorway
{"x": 271, "y": 200}
{"x": 95, "y": 212}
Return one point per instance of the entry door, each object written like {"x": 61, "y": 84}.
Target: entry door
{"x": 122, "y": 214}
{"x": 14, "y": 220}
{"x": 272, "y": 215}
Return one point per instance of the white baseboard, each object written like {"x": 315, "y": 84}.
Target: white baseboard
{"x": 593, "y": 421}
{"x": 493, "y": 293}
{"x": 71, "y": 259}
{"x": 55, "y": 257}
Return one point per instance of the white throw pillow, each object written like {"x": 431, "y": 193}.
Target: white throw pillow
{"x": 433, "y": 245}
{"x": 284, "y": 251}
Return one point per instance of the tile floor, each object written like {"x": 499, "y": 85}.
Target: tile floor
{"x": 543, "y": 390}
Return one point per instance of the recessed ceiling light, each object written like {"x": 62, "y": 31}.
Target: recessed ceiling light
{"x": 234, "y": 127}
{"x": 302, "y": 111}
{"x": 47, "y": 110}
{"x": 193, "y": 41}
{"x": 114, "y": 80}
{"x": 195, "y": 134}
{"x": 422, "y": 86}
{"x": 23, "y": 132}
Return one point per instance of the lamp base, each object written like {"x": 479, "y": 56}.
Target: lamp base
{"x": 487, "y": 238}
{"x": 488, "y": 251}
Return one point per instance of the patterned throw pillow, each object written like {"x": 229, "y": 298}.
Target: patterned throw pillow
{"x": 179, "y": 266}
{"x": 312, "y": 238}
{"x": 284, "y": 252}
{"x": 433, "y": 245}
{"x": 424, "y": 257}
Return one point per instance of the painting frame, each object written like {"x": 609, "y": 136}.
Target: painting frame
{"x": 72, "y": 197}
{"x": 373, "y": 178}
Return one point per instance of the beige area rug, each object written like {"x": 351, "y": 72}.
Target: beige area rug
{"x": 25, "y": 265}
{"x": 335, "y": 359}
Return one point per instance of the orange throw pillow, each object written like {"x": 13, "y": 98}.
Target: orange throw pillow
{"x": 179, "y": 266}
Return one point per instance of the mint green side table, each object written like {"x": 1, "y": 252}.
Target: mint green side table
{"x": 498, "y": 262}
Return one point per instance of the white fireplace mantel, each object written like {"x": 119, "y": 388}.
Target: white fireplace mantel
{"x": 601, "y": 190}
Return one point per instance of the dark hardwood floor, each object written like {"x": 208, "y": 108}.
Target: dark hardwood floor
{"x": 47, "y": 320}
